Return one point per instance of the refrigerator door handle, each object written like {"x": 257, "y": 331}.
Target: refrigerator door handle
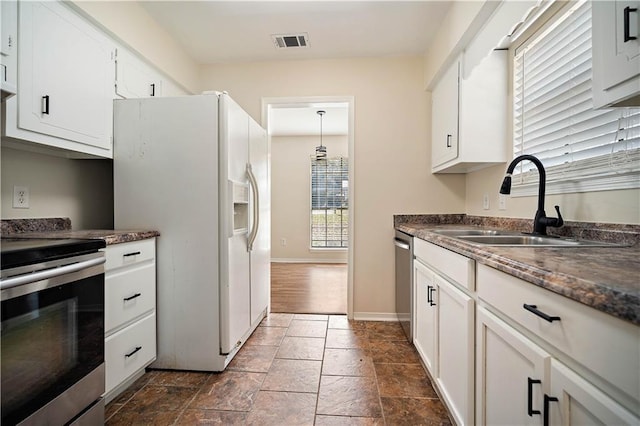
{"x": 256, "y": 207}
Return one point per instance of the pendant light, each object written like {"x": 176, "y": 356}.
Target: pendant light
{"x": 321, "y": 151}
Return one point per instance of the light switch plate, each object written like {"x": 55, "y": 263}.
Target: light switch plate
{"x": 20, "y": 197}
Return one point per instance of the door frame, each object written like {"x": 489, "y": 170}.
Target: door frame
{"x": 350, "y": 101}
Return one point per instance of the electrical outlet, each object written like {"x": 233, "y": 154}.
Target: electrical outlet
{"x": 502, "y": 202}
{"x": 283, "y": 242}
{"x": 20, "y": 197}
{"x": 485, "y": 201}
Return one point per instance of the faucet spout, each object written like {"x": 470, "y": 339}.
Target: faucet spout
{"x": 540, "y": 221}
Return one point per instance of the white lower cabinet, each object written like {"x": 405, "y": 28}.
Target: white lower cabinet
{"x": 574, "y": 401}
{"x": 513, "y": 353}
{"x": 511, "y": 373}
{"x": 425, "y": 339}
{"x": 130, "y": 313}
{"x": 455, "y": 350}
{"x": 444, "y": 321}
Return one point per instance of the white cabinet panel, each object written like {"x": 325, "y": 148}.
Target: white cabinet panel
{"x": 66, "y": 79}
{"x": 616, "y": 53}
{"x": 469, "y": 116}
{"x": 575, "y": 402}
{"x": 426, "y": 317}
{"x": 129, "y": 350}
{"x": 134, "y": 78}
{"x": 8, "y": 47}
{"x": 511, "y": 374}
{"x": 456, "y": 350}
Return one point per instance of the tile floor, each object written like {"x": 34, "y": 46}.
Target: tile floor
{"x": 295, "y": 370}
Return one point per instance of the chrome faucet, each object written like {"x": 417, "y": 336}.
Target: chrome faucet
{"x": 541, "y": 221}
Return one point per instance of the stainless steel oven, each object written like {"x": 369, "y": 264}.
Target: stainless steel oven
{"x": 52, "y": 331}
{"x": 404, "y": 281}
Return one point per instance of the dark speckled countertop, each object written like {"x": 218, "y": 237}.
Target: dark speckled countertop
{"x": 61, "y": 228}
{"x": 605, "y": 278}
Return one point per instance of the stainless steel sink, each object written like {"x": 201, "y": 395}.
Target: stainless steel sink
{"x": 529, "y": 241}
{"x": 467, "y": 232}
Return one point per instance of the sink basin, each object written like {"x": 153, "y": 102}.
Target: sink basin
{"x": 529, "y": 241}
{"x": 467, "y": 232}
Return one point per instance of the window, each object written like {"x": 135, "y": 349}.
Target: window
{"x": 329, "y": 203}
{"x": 582, "y": 149}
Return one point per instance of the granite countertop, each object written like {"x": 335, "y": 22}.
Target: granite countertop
{"x": 605, "y": 278}
{"x": 61, "y": 228}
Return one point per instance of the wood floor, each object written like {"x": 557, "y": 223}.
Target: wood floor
{"x": 309, "y": 288}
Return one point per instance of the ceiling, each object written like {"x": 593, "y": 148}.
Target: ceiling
{"x": 232, "y": 31}
{"x": 218, "y": 31}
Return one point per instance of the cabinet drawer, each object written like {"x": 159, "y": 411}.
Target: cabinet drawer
{"x": 129, "y": 293}
{"x": 453, "y": 265}
{"x": 121, "y": 353}
{"x": 119, "y": 255}
{"x": 605, "y": 345}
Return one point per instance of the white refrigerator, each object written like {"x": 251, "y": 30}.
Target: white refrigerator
{"x": 196, "y": 168}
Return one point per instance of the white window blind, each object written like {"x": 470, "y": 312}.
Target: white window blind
{"x": 329, "y": 202}
{"x": 582, "y": 149}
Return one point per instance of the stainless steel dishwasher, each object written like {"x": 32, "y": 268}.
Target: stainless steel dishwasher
{"x": 404, "y": 281}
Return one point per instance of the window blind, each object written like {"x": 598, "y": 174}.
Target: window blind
{"x": 582, "y": 149}
{"x": 329, "y": 202}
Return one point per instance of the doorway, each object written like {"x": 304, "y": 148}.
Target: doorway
{"x": 305, "y": 267}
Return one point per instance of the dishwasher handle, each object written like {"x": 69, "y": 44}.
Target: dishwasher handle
{"x": 401, "y": 244}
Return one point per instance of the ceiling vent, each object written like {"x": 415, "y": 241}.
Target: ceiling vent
{"x": 287, "y": 41}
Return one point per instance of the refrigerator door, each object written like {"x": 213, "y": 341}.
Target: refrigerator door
{"x": 235, "y": 292}
{"x": 259, "y": 154}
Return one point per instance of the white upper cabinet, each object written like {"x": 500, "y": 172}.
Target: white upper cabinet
{"x": 134, "y": 78}
{"x": 8, "y": 48}
{"x": 66, "y": 78}
{"x": 469, "y": 116}
{"x": 616, "y": 53}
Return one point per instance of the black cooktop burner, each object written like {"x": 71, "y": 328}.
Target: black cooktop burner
{"x": 25, "y": 251}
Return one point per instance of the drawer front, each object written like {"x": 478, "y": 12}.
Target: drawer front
{"x": 121, "y": 353}
{"x": 126, "y": 254}
{"x": 453, "y": 265}
{"x": 607, "y": 346}
{"x": 129, "y": 293}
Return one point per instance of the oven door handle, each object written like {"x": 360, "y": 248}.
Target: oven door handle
{"x": 49, "y": 273}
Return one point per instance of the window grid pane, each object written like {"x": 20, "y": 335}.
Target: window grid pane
{"x": 329, "y": 203}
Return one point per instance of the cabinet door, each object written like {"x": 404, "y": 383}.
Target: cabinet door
{"x": 444, "y": 117}
{"x": 8, "y": 52}
{"x": 616, "y": 51}
{"x": 426, "y": 317}
{"x": 134, "y": 78}
{"x": 66, "y": 75}
{"x": 455, "y": 350}
{"x": 511, "y": 373}
{"x": 574, "y": 401}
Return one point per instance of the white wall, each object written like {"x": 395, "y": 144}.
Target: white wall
{"x": 81, "y": 190}
{"x": 392, "y": 136}
{"x": 290, "y": 197}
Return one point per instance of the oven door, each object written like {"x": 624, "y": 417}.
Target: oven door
{"x": 52, "y": 340}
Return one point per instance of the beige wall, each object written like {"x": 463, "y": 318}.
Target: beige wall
{"x": 81, "y": 190}
{"x": 600, "y": 206}
{"x": 392, "y": 122}
{"x": 290, "y": 197}
{"x": 135, "y": 27}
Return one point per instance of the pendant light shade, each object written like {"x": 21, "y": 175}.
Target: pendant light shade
{"x": 321, "y": 151}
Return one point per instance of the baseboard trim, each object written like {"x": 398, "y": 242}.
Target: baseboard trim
{"x": 375, "y": 316}
{"x": 289, "y": 260}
